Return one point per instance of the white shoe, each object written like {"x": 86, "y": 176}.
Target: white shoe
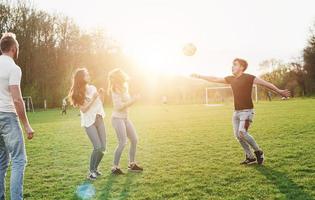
{"x": 92, "y": 176}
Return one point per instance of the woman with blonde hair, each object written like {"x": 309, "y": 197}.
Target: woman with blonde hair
{"x": 85, "y": 96}
{"x": 118, "y": 89}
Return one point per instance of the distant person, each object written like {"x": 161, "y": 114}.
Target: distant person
{"x": 118, "y": 89}
{"x": 85, "y": 96}
{"x": 64, "y": 106}
{"x": 164, "y": 99}
{"x": 12, "y": 109}
{"x": 269, "y": 95}
{"x": 242, "y": 85}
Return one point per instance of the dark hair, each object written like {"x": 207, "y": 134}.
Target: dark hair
{"x": 242, "y": 62}
{"x": 7, "y": 41}
{"x": 77, "y": 91}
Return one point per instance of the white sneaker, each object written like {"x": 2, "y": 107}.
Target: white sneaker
{"x": 92, "y": 176}
{"x": 98, "y": 173}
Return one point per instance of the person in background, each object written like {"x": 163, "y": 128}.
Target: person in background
{"x": 269, "y": 95}
{"x": 64, "y": 106}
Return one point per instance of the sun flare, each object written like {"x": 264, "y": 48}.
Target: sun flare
{"x": 156, "y": 54}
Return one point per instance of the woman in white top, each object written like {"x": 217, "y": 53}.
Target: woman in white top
{"x": 90, "y": 101}
{"x": 118, "y": 89}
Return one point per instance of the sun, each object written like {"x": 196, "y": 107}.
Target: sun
{"x": 156, "y": 54}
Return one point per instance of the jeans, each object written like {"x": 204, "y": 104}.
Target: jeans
{"x": 11, "y": 148}
{"x": 241, "y": 121}
{"x": 124, "y": 128}
{"x": 97, "y": 135}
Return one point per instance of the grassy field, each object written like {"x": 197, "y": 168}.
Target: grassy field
{"x": 187, "y": 151}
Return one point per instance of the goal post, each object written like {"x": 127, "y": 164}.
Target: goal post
{"x": 219, "y": 95}
{"x": 28, "y": 103}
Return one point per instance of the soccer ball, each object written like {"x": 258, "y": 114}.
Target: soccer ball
{"x": 189, "y": 49}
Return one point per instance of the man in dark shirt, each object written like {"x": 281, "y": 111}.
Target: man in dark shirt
{"x": 242, "y": 85}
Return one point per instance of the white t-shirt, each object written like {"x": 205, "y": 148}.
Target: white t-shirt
{"x": 119, "y": 100}
{"x": 88, "y": 118}
{"x": 10, "y": 74}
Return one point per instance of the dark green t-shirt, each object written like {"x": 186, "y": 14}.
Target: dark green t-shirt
{"x": 242, "y": 90}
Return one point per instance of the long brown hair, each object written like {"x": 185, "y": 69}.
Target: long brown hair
{"x": 77, "y": 91}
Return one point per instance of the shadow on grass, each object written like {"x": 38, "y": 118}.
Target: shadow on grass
{"x": 125, "y": 188}
{"x": 107, "y": 187}
{"x": 286, "y": 186}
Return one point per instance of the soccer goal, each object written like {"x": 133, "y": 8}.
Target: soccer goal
{"x": 28, "y": 103}
{"x": 217, "y": 96}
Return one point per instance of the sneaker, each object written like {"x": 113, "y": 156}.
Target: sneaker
{"x": 98, "y": 173}
{"x": 92, "y": 176}
{"x": 117, "y": 171}
{"x": 248, "y": 161}
{"x": 260, "y": 156}
{"x": 134, "y": 168}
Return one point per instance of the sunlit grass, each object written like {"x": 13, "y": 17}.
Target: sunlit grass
{"x": 187, "y": 151}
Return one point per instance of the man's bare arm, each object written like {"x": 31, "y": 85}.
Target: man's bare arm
{"x": 210, "y": 78}
{"x": 284, "y": 93}
{"x": 16, "y": 94}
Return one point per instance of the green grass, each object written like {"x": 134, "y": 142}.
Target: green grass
{"x": 187, "y": 151}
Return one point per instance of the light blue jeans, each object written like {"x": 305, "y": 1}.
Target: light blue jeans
{"x": 124, "y": 129}
{"x": 11, "y": 148}
{"x": 241, "y": 121}
{"x": 97, "y": 135}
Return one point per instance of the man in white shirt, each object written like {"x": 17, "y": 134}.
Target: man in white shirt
{"x": 12, "y": 109}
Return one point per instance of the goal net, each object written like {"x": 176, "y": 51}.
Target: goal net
{"x": 216, "y": 96}
{"x": 28, "y": 103}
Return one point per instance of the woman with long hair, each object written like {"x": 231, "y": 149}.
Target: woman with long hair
{"x": 118, "y": 89}
{"x": 85, "y": 96}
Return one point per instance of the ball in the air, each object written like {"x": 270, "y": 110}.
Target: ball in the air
{"x": 189, "y": 49}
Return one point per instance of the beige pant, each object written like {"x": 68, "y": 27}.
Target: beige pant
{"x": 241, "y": 121}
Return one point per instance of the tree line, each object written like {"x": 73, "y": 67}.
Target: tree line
{"x": 53, "y": 45}
{"x": 298, "y": 75}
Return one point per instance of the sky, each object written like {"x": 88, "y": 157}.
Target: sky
{"x": 154, "y": 32}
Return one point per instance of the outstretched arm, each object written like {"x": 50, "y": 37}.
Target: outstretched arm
{"x": 284, "y": 93}
{"x": 209, "y": 78}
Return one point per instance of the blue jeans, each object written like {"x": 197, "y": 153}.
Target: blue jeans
{"x": 11, "y": 148}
